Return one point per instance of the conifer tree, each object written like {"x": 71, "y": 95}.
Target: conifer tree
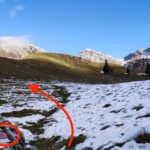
{"x": 106, "y": 68}
{"x": 147, "y": 70}
{"x": 128, "y": 70}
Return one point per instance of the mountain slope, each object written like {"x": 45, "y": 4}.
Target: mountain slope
{"x": 12, "y": 47}
{"x": 49, "y": 66}
{"x": 139, "y": 54}
{"x": 62, "y": 67}
{"x": 94, "y": 56}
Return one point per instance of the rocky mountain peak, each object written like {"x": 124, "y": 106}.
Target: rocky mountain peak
{"x": 138, "y": 54}
{"x": 95, "y": 56}
{"x": 17, "y": 47}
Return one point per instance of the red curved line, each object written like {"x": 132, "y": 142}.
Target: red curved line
{"x": 66, "y": 113}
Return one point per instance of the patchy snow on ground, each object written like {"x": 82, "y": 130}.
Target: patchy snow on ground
{"x": 110, "y": 116}
{"x": 106, "y": 114}
{"x": 26, "y": 119}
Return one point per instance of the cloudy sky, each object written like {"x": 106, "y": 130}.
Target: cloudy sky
{"x": 115, "y": 27}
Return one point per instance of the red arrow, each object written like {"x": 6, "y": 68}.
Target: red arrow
{"x": 35, "y": 88}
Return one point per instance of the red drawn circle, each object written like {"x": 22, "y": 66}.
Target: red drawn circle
{"x": 18, "y": 135}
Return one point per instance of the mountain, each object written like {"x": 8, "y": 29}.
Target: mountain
{"x": 95, "y": 56}
{"x": 14, "y": 47}
{"x": 140, "y": 53}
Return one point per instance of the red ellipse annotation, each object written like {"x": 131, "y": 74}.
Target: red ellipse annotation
{"x": 17, "y": 131}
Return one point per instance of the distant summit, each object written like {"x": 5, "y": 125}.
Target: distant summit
{"x": 16, "y": 47}
{"x": 139, "y": 54}
{"x": 95, "y": 56}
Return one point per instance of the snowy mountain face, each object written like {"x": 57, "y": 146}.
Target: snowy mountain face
{"x": 13, "y": 47}
{"x": 94, "y": 56}
{"x": 140, "y": 53}
{"x": 114, "y": 117}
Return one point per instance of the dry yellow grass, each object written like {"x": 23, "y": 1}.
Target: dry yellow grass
{"x": 62, "y": 67}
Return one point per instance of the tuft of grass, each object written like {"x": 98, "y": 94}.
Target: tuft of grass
{"x": 2, "y": 102}
{"x": 77, "y": 140}
{"x": 145, "y": 138}
{"x": 56, "y": 143}
{"x": 22, "y": 113}
{"x": 36, "y": 128}
{"x": 88, "y": 148}
{"x": 61, "y": 92}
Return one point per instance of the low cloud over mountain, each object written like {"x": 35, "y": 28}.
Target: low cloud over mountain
{"x": 17, "y": 47}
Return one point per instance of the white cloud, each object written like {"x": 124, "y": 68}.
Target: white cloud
{"x": 16, "y": 10}
{"x": 19, "y": 39}
{"x": 25, "y": 38}
{"x": 11, "y": 42}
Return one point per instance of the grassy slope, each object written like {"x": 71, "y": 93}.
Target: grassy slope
{"x": 61, "y": 67}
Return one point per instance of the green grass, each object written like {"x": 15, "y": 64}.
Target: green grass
{"x": 62, "y": 67}
{"x": 22, "y": 113}
{"x": 2, "y": 102}
{"x": 56, "y": 143}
